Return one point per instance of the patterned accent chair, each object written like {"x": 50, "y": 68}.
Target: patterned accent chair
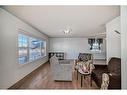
{"x": 105, "y": 81}
{"x": 61, "y": 70}
{"x": 84, "y": 57}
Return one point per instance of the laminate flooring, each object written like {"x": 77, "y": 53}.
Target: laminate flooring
{"x": 41, "y": 78}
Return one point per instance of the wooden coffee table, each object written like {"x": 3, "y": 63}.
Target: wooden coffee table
{"x": 83, "y": 75}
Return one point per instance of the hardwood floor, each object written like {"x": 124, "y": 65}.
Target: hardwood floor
{"x": 41, "y": 78}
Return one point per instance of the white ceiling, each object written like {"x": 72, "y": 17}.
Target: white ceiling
{"x": 84, "y": 21}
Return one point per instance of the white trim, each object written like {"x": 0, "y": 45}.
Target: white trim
{"x": 29, "y": 34}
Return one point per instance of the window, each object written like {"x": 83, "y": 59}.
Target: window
{"x": 96, "y": 47}
{"x": 30, "y": 48}
{"x": 35, "y": 49}
{"x": 23, "y": 45}
{"x": 95, "y": 44}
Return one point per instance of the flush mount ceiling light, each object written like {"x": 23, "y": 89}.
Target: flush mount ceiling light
{"x": 67, "y": 31}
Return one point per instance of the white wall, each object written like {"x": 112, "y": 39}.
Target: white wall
{"x": 10, "y": 70}
{"x": 124, "y": 45}
{"x": 73, "y": 46}
{"x": 113, "y": 42}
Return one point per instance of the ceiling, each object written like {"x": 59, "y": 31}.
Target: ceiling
{"x": 84, "y": 21}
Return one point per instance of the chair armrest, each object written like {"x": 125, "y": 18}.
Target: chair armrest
{"x": 77, "y": 60}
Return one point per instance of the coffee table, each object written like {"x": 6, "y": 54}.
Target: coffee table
{"x": 83, "y": 74}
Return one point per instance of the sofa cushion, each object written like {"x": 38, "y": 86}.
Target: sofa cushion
{"x": 113, "y": 69}
{"x": 97, "y": 73}
{"x": 114, "y": 66}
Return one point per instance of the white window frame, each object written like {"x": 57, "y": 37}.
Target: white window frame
{"x": 22, "y": 32}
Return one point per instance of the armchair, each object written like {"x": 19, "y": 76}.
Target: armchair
{"x": 84, "y": 57}
{"x": 61, "y": 70}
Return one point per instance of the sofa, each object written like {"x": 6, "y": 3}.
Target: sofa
{"x": 61, "y": 70}
{"x": 113, "y": 69}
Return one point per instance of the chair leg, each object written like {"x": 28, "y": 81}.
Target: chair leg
{"x": 77, "y": 74}
{"x": 90, "y": 80}
{"x": 81, "y": 80}
{"x": 84, "y": 77}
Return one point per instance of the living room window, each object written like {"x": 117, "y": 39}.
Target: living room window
{"x": 23, "y": 48}
{"x": 30, "y": 48}
{"x": 95, "y": 44}
{"x": 96, "y": 47}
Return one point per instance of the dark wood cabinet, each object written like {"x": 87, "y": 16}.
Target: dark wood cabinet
{"x": 60, "y": 55}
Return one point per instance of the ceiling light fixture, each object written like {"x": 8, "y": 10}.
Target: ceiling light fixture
{"x": 67, "y": 31}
